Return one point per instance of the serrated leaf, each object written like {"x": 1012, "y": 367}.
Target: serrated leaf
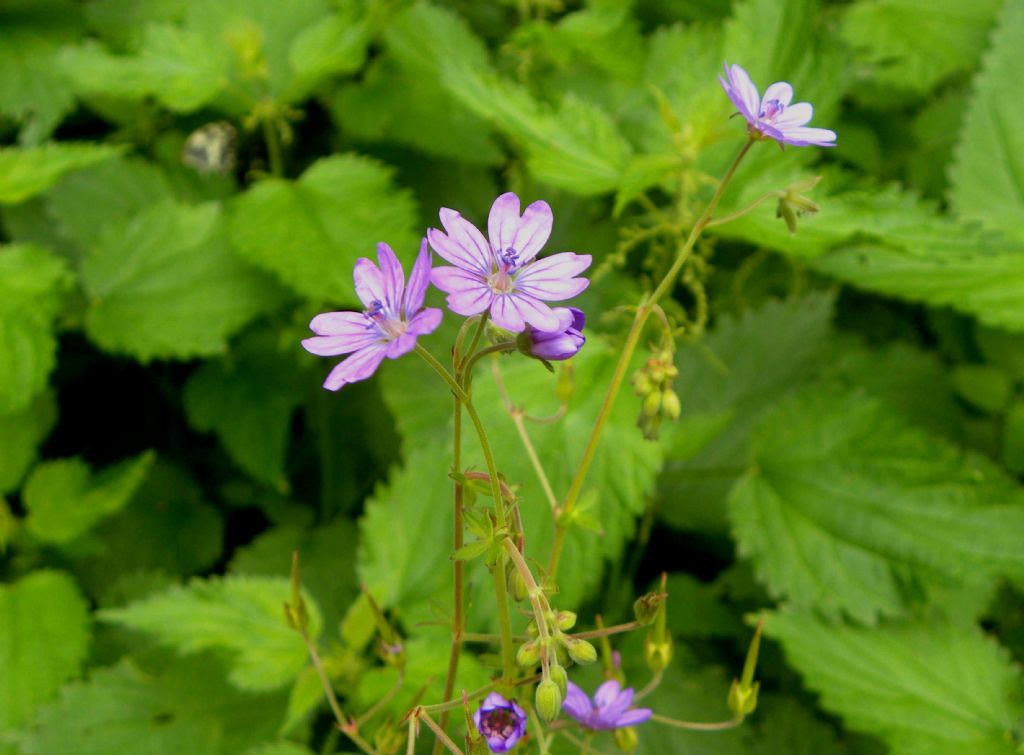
{"x": 311, "y": 231}
{"x": 187, "y": 709}
{"x": 32, "y": 286}
{"x": 27, "y": 171}
{"x": 986, "y": 175}
{"x": 913, "y": 45}
{"x": 44, "y": 640}
{"x": 20, "y": 435}
{"x": 334, "y": 45}
{"x": 238, "y": 616}
{"x": 247, "y": 398}
{"x": 64, "y": 499}
{"x": 166, "y": 285}
{"x": 924, "y": 688}
{"x": 846, "y": 503}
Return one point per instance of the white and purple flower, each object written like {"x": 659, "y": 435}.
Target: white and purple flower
{"x": 501, "y": 722}
{"x": 393, "y": 319}
{"x": 501, "y": 274}
{"x": 609, "y": 710}
{"x": 772, "y": 116}
{"x": 562, "y": 343}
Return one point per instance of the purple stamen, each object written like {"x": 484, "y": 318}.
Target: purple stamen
{"x": 772, "y": 109}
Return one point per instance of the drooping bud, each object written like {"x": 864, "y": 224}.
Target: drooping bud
{"x": 528, "y": 654}
{"x": 581, "y": 651}
{"x": 557, "y": 345}
{"x": 565, "y": 620}
{"x": 559, "y": 677}
{"x": 670, "y": 405}
{"x": 517, "y": 585}
{"x": 548, "y": 700}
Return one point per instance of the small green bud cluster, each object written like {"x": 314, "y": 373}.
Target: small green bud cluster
{"x": 653, "y": 384}
{"x": 793, "y": 204}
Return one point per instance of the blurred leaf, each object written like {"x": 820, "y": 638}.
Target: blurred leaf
{"x": 334, "y": 45}
{"x": 26, "y": 171}
{"x": 20, "y": 435}
{"x": 913, "y": 45}
{"x": 166, "y": 285}
{"x": 311, "y": 231}
{"x": 239, "y": 616}
{"x": 986, "y": 175}
{"x": 696, "y": 610}
{"x": 984, "y": 386}
{"x": 64, "y": 499}
{"x": 187, "y": 709}
{"x": 923, "y": 688}
{"x": 1013, "y": 438}
{"x": 32, "y": 286}
{"x": 247, "y": 398}
{"x": 44, "y": 640}
{"x": 846, "y": 504}
{"x": 280, "y": 748}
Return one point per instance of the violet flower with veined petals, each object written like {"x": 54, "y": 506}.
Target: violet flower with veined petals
{"x": 609, "y": 710}
{"x": 501, "y": 722}
{"x": 502, "y": 274}
{"x": 393, "y": 319}
{"x": 772, "y": 116}
{"x": 557, "y": 345}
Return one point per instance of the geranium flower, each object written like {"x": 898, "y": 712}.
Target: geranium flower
{"x": 502, "y": 275}
{"x": 389, "y": 326}
{"x": 610, "y": 709}
{"x": 556, "y": 345}
{"x": 772, "y": 116}
{"x": 501, "y": 722}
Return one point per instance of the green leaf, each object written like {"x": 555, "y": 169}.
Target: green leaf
{"x": 924, "y": 688}
{"x": 32, "y": 286}
{"x": 988, "y": 173}
{"x": 846, "y": 504}
{"x": 20, "y": 435}
{"x": 64, "y": 499}
{"x": 334, "y": 45}
{"x": 247, "y": 398}
{"x": 311, "y": 231}
{"x": 280, "y": 748}
{"x": 238, "y": 616}
{"x": 27, "y": 171}
{"x": 44, "y": 640}
{"x": 187, "y": 709}
{"x": 984, "y": 386}
{"x": 695, "y": 609}
{"x": 913, "y": 45}
{"x": 166, "y": 285}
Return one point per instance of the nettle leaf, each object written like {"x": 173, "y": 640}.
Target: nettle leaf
{"x": 986, "y": 175}
{"x": 44, "y": 640}
{"x": 32, "y": 286}
{"x": 311, "y": 231}
{"x": 64, "y": 499}
{"x": 247, "y": 398}
{"x": 238, "y": 616}
{"x": 27, "y": 171}
{"x": 926, "y": 689}
{"x": 335, "y": 45}
{"x": 913, "y": 45}
{"x": 189, "y": 708}
{"x": 165, "y": 285}
{"x": 846, "y": 506}
{"x": 20, "y": 435}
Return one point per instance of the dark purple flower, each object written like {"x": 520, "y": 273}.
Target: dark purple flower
{"x": 561, "y": 343}
{"x": 501, "y": 722}
{"x": 610, "y": 709}
{"x": 393, "y": 318}
{"x": 502, "y": 274}
{"x": 772, "y": 116}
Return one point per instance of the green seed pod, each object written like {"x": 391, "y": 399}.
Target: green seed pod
{"x": 581, "y": 651}
{"x": 548, "y": 700}
{"x": 658, "y": 654}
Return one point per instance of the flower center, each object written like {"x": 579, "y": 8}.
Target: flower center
{"x": 500, "y": 722}
{"x": 380, "y": 318}
{"x": 772, "y": 110}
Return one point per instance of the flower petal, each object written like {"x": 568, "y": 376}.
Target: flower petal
{"x": 419, "y": 280}
{"x": 332, "y": 346}
{"x": 453, "y": 252}
{"x": 533, "y": 231}
{"x": 503, "y": 222}
{"x": 361, "y": 365}
{"x": 608, "y": 691}
{"x": 634, "y": 717}
{"x": 795, "y": 115}
{"x": 394, "y": 277}
{"x": 577, "y": 704}
{"x": 369, "y": 282}
{"x": 551, "y": 278}
{"x": 401, "y": 345}
{"x": 803, "y": 136}
{"x": 780, "y": 90}
{"x": 534, "y": 311}
{"x": 425, "y": 322}
{"x": 339, "y": 324}
{"x": 505, "y": 313}
{"x": 471, "y": 301}
{"x": 454, "y": 279}
{"x": 468, "y": 237}
{"x": 746, "y": 97}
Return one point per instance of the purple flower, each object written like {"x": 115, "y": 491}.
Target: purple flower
{"x": 503, "y": 275}
{"x": 561, "y": 343}
{"x": 500, "y": 721}
{"x": 610, "y": 709}
{"x": 772, "y": 116}
{"x": 393, "y": 318}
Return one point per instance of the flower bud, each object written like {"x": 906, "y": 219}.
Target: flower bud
{"x": 581, "y": 651}
{"x": 556, "y": 345}
{"x": 670, "y": 406}
{"x": 646, "y": 607}
{"x": 528, "y": 654}
{"x": 642, "y": 384}
{"x": 548, "y": 700}
{"x": 652, "y": 403}
{"x": 565, "y": 620}
{"x": 743, "y": 700}
{"x": 517, "y": 586}
{"x": 559, "y": 677}
{"x": 626, "y": 739}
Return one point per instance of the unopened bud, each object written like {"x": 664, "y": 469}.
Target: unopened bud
{"x": 517, "y": 586}
{"x": 559, "y": 677}
{"x": 565, "y": 620}
{"x": 743, "y": 700}
{"x": 652, "y": 403}
{"x": 670, "y": 406}
{"x": 528, "y": 654}
{"x": 646, "y": 607}
{"x": 658, "y": 653}
{"x": 581, "y": 651}
{"x": 626, "y": 739}
{"x": 548, "y": 700}
{"x": 642, "y": 383}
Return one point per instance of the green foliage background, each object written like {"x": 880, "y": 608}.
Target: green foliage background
{"x": 849, "y": 458}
